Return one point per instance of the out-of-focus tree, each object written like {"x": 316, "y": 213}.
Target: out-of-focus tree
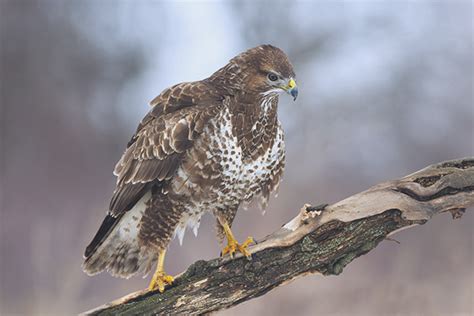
{"x": 63, "y": 66}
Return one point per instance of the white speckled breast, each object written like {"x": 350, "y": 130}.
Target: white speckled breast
{"x": 239, "y": 179}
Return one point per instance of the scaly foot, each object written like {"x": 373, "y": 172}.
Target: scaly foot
{"x": 233, "y": 246}
{"x": 160, "y": 279}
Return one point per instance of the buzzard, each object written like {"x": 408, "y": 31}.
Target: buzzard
{"x": 205, "y": 146}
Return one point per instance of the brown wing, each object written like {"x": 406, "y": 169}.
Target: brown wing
{"x": 155, "y": 151}
{"x": 156, "y": 154}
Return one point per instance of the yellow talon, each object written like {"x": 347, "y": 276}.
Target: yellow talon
{"x": 159, "y": 281}
{"x": 160, "y": 278}
{"x": 233, "y": 245}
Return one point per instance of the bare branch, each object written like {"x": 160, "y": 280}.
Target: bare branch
{"x": 318, "y": 240}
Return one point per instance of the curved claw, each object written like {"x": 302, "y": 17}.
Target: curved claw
{"x": 233, "y": 246}
{"x": 159, "y": 281}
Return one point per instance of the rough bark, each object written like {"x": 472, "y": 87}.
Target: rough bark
{"x": 314, "y": 241}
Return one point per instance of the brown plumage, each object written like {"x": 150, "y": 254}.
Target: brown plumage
{"x": 205, "y": 146}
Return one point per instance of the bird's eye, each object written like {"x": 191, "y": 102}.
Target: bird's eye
{"x": 272, "y": 77}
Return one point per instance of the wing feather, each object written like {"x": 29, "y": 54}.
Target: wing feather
{"x": 126, "y": 196}
{"x": 155, "y": 152}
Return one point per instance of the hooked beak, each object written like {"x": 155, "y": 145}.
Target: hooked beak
{"x": 292, "y": 89}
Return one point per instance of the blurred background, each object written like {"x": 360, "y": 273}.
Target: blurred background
{"x": 386, "y": 88}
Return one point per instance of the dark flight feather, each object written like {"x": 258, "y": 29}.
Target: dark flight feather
{"x": 107, "y": 225}
{"x": 155, "y": 151}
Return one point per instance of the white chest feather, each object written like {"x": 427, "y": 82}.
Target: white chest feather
{"x": 241, "y": 176}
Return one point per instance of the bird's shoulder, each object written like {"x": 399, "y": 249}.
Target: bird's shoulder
{"x": 178, "y": 117}
{"x": 183, "y": 98}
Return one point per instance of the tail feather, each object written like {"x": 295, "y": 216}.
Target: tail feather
{"x": 121, "y": 258}
{"x": 106, "y": 227}
{"x": 116, "y": 247}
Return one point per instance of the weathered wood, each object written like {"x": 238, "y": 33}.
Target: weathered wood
{"x": 315, "y": 241}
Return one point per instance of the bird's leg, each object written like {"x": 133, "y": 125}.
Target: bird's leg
{"x": 233, "y": 245}
{"x": 160, "y": 278}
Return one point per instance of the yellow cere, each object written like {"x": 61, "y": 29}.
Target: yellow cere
{"x": 291, "y": 84}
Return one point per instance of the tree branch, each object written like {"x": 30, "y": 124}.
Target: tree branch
{"x": 314, "y": 241}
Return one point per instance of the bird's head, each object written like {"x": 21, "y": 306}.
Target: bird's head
{"x": 266, "y": 70}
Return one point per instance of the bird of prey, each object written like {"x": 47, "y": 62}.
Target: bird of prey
{"x": 204, "y": 147}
